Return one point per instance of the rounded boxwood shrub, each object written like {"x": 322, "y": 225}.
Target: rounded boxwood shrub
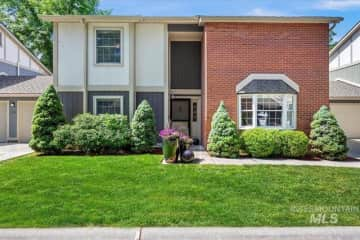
{"x": 259, "y": 142}
{"x": 275, "y": 133}
{"x": 223, "y": 139}
{"x": 63, "y": 137}
{"x": 48, "y": 115}
{"x": 294, "y": 143}
{"x": 327, "y": 139}
{"x": 143, "y": 131}
{"x": 115, "y": 131}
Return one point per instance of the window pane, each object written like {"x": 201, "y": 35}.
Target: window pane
{"x": 111, "y": 106}
{"x": 289, "y": 102}
{"x": 246, "y": 103}
{"x": 290, "y": 119}
{"x": 269, "y": 111}
{"x": 246, "y": 118}
{"x": 108, "y": 46}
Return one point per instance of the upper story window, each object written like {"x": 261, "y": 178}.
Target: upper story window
{"x": 108, "y": 46}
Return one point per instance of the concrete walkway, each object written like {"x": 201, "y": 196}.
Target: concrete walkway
{"x": 204, "y": 233}
{"x": 12, "y": 150}
{"x": 203, "y": 157}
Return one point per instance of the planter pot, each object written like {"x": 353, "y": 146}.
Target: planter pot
{"x": 169, "y": 150}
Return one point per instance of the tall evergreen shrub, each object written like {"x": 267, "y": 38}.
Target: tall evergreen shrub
{"x": 327, "y": 139}
{"x": 143, "y": 131}
{"x": 223, "y": 140}
{"x": 48, "y": 115}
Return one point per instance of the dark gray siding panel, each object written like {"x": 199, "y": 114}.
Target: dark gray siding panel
{"x": 13, "y": 119}
{"x": 350, "y": 73}
{"x": 72, "y": 104}
{"x": 27, "y": 72}
{"x": 156, "y": 100}
{"x": 185, "y": 28}
{"x": 186, "y": 65}
{"x": 109, "y": 93}
{"x": 9, "y": 69}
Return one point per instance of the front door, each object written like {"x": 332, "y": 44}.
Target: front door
{"x": 186, "y": 116}
{"x": 180, "y": 115}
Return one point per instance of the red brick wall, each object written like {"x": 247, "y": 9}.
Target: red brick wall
{"x": 235, "y": 50}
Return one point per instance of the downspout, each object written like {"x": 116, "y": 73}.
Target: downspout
{"x": 85, "y": 91}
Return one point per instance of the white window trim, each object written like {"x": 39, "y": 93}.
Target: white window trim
{"x": 121, "y": 98}
{"x": 121, "y": 47}
{"x": 254, "y": 110}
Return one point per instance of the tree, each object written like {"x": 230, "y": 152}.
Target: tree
{"x": 143, "y": 131}
{"x": 327, "y": 139}
{"x": 332, "y": 43}
{"x": 21, "y": 17}
{"x": 48, "y": 115}
{"x": 224, "y": 140}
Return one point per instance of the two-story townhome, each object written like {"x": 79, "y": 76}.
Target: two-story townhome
{"x": 22, "y": 79}
{"x": 270, "y": 71}
{"x": 345, "y": 82}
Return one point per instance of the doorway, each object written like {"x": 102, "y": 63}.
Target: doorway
{"x": 185, "y": 116}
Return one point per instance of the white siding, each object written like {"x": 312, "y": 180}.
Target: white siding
{"x": 71, "y": 55}
{"x": 345, "y": 54}
{"x": 150, "y": 54}
{"x": 24, "y": 59}
{"x": 334, "y": 61}
{"x": 11, "y": 51}
{"x": 109, "y": 74}
{"x": 356, "y": 47}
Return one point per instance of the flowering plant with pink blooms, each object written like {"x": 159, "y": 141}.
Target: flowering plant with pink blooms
{"x": 169, "y": 134}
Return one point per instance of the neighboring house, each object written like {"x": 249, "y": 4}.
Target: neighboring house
{"x": 22, "y": 79}
{"x": 270, "y": 71}
{"x": 16, "y": 59}
{"x": 345, "y": 82}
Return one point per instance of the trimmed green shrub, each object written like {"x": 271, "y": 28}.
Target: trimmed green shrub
{"x": 223, "y": 140}
{"x": 116, "y": 131}
{"x": 327, "y": 139}
{"x": 143, "y": 131}
{"x": 294, "y": 143}
{"x": 259, "y": 142}
{"x": 63, "y": 137}
{"x": 101, "y": 133}
{"x": 275, "y": 133}
{"x": 48, "y": 115}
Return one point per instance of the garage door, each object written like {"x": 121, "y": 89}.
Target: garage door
{"x": 348, "y": 116}
{"x": 3, "y": 120}
{"x": 25, "y": 113}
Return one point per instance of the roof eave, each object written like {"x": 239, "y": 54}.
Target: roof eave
{"x": 190, "y": 20}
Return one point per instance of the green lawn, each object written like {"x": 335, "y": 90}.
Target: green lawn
{"x": 137, "y": 190}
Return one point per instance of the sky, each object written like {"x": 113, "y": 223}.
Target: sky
{"x": 349, "y": 9}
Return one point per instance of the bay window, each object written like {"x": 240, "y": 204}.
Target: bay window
{"x": 267, "y": 110}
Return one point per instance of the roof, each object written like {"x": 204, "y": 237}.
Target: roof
{"x": 347, "y": 36}
{"x": 267, "y": 86}
{"x": 35, "y": 59}
{"x": 199, "y": 19}
{"x": 23, "y": 86}
{"x": 344, "y": 89}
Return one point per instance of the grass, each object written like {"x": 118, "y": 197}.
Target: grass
{"x": 136, "y": 190}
